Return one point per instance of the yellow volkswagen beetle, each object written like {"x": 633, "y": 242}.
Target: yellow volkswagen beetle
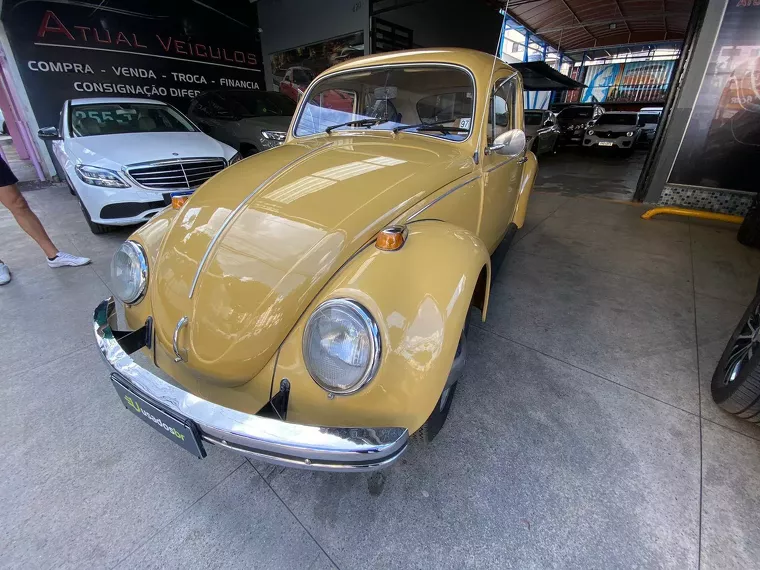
{"x": 307, "y": 306}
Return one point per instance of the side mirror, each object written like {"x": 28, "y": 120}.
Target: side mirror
{"x": 510, "y": 143}
{"x": 49, "y": 133}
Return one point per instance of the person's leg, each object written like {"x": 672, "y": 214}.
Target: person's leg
{"x": 11, "y": 198}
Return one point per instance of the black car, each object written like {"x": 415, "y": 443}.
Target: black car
{"x": 250, "y": 121}
{"x": 574, "y": 120}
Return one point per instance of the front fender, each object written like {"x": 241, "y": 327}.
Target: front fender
{"x": 530, "y": 169}
{"x": 420, "y": 297}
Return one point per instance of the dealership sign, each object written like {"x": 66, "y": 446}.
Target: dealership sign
{"x": 169, "y": 50}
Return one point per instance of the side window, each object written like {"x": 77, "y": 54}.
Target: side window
{"x": 501, "y": 113}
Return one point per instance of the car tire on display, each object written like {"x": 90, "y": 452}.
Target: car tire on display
{"x": 749, "y": 231}
{"x": 95, "y": 228}
{"x": 736, "y": 382}
{"x": 437, "y": 418}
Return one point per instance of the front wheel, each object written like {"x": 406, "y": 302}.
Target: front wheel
{"x": 95, "y": 228}
{"x": 735, "y": 384}
{"x": 438, "y": 416}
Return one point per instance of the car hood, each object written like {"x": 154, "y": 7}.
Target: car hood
{"x": 576, "y": 121}
{"x": 271, "y": 231}
{"x": 115, "y": 151}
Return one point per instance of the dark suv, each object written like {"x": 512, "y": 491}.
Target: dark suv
{"x": 574, "y": 120}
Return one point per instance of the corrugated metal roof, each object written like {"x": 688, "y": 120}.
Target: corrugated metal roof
{"x": 578, "y": 24}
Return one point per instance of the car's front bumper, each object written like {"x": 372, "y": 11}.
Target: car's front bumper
{"x": 270, "y": 440}
{"x": 620, "y": 142}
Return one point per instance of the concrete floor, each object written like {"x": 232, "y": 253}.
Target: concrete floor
{"x": 582, "y": 436}
{"x": 577, "y": 171}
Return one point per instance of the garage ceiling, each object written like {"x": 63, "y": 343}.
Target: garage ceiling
{"x": 579, "y": 24}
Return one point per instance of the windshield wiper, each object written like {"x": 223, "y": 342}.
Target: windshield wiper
{"x": 437, "y": 126}
{"x": 357, "y": 123}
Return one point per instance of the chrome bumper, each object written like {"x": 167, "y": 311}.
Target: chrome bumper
{"x": 272, "y": 441}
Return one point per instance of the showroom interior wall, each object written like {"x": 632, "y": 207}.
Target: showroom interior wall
{"x": 289, "y": 24}
{"x": 714, "y": 131}
{"x": 447, "y": 23}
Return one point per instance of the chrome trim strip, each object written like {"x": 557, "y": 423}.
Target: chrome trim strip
{"x": 313, "y": 84}
{"x": 505, "y": 162}
{"x": 441, "y": 197}
{"x": 274, "y": 441}
{"x": 179, "y": 161}
{"x": 175, "y": 340}
{"x": 236, "y": 211}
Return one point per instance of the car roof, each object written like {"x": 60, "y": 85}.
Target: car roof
{"x": 478, "y": 62}
{"x": 96, "y": 100}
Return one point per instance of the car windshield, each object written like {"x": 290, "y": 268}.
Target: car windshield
{"x": 434, "y": 100}
{"x": 258, "y": 103}
{"x": 533, "y": 118}
{"x": 119, "y": 118}
{"x": 576, "y": 113}
{"x": 617, "y": 119}
{"x": 649, "y": 119}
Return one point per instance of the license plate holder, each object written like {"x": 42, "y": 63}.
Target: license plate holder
{"x": 605, "y": 143}
{"x": 181, "y": 431}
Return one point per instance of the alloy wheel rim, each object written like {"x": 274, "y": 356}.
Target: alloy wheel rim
{"x": 744, "y": 348}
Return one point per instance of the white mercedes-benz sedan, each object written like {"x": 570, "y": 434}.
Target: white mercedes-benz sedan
{"x": 124, "y": 158}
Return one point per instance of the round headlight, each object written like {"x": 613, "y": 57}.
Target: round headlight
{"x": 341, "y": 346}
{"x": 629, "y": 134}
{"x": 129, "y": 272}
{"x": 591, "y": 132}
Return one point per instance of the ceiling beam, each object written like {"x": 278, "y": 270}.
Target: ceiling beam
{"x": 603, "y": 22}
{"x": 569, "y": 9}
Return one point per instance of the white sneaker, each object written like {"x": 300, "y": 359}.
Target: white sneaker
{"x": 67, "y": 260}
{"x": 5, "y": 274}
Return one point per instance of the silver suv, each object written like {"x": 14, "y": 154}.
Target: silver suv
{"x": 614, "y": 129}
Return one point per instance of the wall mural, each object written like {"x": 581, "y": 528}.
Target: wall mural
{"x": 722, "y": 141}
{"x": 293, "y": 69}
{"x": 635, "y": 82}
{"x": 169, "y": 50}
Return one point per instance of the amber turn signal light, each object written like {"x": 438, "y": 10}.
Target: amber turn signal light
{"x": 179, "y": 201}
{"x": 391, "y": 238}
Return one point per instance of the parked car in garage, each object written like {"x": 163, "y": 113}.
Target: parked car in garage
{"x": 308, "y": 306}
{"x": 249, "y": 121}
{"x": 542, "y": 131}
{"x": 123, "y": 157}
{"x": 574, "y": 120}
{"x": 295, "y": 82}
{"x": 649, "y": 118}
{"x": 735, "y": 383}
{"x": 614, "y": 130}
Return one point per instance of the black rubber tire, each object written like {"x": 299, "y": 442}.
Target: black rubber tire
{"x": 437, "y": 418}
{"x": 5, "y": 128}
{"x": 97, "y": 229}
{"x": 749, "y": 231}
{"x": 740, "y": 397}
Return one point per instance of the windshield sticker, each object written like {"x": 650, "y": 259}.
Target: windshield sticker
{"x": 465, "y": 123}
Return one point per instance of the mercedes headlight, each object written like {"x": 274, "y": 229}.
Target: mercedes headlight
{"x": 590, "y": 132}
{"x": 129, "y": 272}
{"x": 278, "y": 136}
{"x": 341, "y": 346}
{"x": 97, "y": 176}
{"x": 629, "y": 134}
